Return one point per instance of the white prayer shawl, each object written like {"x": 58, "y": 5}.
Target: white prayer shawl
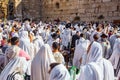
{"x": 95, "y": 53}
{"x": 94, "y": 26}
{"x": 11, "y": 53}
{"x": 116, "y": 46}
{"x": 15, "y": 65}
{"x": 66, "y": 37}
{"x": 87, "y": 34}
{"x": 80, "y": 50}
{"x": 27, "y": 27}
{"x": 38, "y": 43}
{"x": 61, "y": 27}
{"x": 1, "y": 36}
{"x": 51, "y": 41}
{"x": 41, "y": 63}
{"x": 25, "y": 42}
{"x": 50, "y": 37}
{"x": 59, "y": 72}
{"x": 15, "y": 34}
{"x": 43, "y": 34}
{"x": 112, "y": 40}
{"x": 93, "y": 33}
{"x": 73, "y": 32}
{"x": 32, "y": 51}
{"x": 47, "y": 33}
{"x": 119, "y": 73}
{"x": 78, "y": 28}
{"x": 97, "y": 67}
{"x": 106, "y": 49}
{"x": 59, "y": 57}
{"x": 39, "y": 37}
{"x": 2, "y": 57}
{"x": 81, "y": 40}
{"x": 102, "y": 70}
{"x": 116, "y": 54}
{"x": 24, "y": 36}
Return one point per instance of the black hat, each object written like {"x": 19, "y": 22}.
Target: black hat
{"x": 68, "y": 25}
{"x": 26, "y": 19}
{"x": 104, "y": 35}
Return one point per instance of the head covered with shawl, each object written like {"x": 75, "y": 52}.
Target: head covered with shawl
{"x": 97, "y": 68}
{"x": 40, "y": 64}
{"x": 59, "y": 72}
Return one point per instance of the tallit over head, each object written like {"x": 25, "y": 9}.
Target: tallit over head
{"x": 95, "y": 53}
{"x": 24, "y": 36}
{"x": 11, "y": 53}
{"x": 17, "y": 64}
{"x": 41, "y": 63}
{"x": 59, "y": 72}
{"x": 97, "y": 67}
{"x": 25, "y": 42}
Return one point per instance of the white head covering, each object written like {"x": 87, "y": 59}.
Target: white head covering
{"x": 116, "y": 55}
{"x": 95, "y": 53}
{"x": 116, "y": 47}
{"x": 11, "y": 53}
{"x": 15, "y": 34}
{"x": 25, "y": 42}
{"x": 15, "y": 65}
{"x": 41, "y": 63}
{"x": 24, "y": 36}
{"x": 97, "y": 67}
{"x": 38, "y": 42}
{"x": 80, "y": 50}
{"x": 27, "y": 26}
{"x": 59, "y": 72}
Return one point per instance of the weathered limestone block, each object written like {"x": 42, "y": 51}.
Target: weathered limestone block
{"x": 106, "y": 0}
{"x": 67, "y": 9}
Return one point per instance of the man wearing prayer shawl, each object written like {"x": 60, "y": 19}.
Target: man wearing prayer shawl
{"x": 80, "y": 50}
{"x": 54, "y": 39}
{"x": 115, "y": 58}
{"x": 57, "y": 55}
{"x": 1, "y": 61}
{"x": 59, "y": 72}
{"x": 87, "y": 32}
{"x": 25, "y": 42}
{"x": 16, "y": 65}
{"x": 19, "y": 52}
{"x": 113, "y": 37}
{"x": 66, "y": 36}
{"x": 97, "y": 31}
{"x": 74, "y": 39}
{"x": 96, "y": 68}
{"x": 38, "y": 43}
{"x": 26, "y": 26}
{"x": 105, "y": 46}
{"x": 46, "y": 33}
{"x": 40, "y": 64}
{"x": 61, "y": 27}
{"x": 16, "y": 69}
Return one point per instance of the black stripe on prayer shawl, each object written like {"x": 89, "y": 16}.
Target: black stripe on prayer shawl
{"x": 12, "y": 76}
{"x": 9, "y": 76}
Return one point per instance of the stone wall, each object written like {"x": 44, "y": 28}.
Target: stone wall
{"x": 31, "y": 9}
{"x": 87, "y": 10}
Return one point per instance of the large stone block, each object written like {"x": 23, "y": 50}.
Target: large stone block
{"x": 67, "y": 9}
{"x": 106, "y": 0}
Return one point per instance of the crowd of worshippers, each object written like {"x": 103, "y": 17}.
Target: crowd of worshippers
{"x": 63, "y": 51}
